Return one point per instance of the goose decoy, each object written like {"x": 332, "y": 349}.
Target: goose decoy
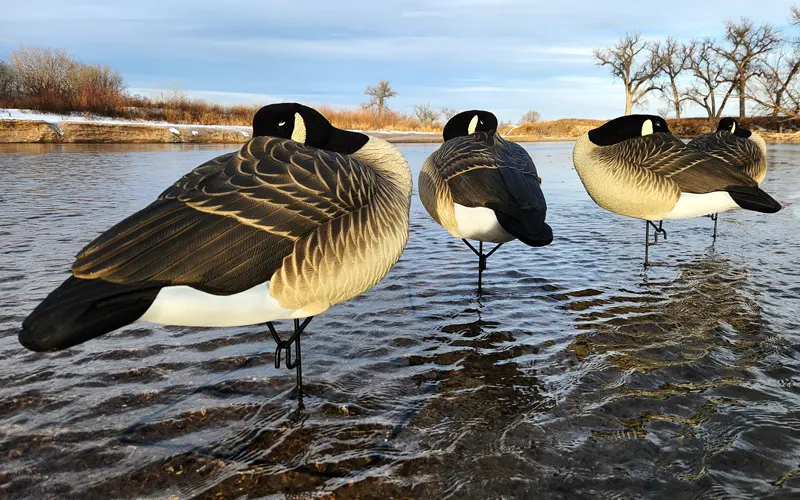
{"x": 479, "y": 186}
{"x": 738, "y": 147}
{"x": 303, "y": 217}
{"x": 634, "y": 166}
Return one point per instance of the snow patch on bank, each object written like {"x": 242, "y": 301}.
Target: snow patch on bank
{"x": 53, "y": 118}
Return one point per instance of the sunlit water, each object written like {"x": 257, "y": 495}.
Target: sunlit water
{"x": 576, "y": 375}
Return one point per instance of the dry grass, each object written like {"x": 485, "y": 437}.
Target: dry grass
{"x": 365, "y": 119}
{"x": 183, "y": 110}
{"x": 568, "y": 127}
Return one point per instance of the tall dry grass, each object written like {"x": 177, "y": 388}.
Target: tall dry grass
{"x": 568, "y": 127}
{"x": 366, "y": 119}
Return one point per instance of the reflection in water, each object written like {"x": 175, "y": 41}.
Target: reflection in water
{"x": 673, "y": 363}
{"x": 574, "y": 375}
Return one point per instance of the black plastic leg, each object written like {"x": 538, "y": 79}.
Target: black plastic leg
{"x": 481, "y": 258}
{"x": 647, "y": 242}
{"x": 714, "y": 217}
{"x": 286, "y": 345}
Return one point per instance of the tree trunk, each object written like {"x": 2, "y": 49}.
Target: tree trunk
{"x": 741, "y": 97}
{"x": 725, "y": 100}
{"x": 628, "y": 102}
{"x": 777, "y": 106}
{"x": 713, "y": 111}
{"x": 676, "y": 99}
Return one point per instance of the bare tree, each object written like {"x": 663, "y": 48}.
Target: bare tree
{"x": 448, "y": 113}
{"x": 777, "y": 88}
{"x": 378, "y": 95}
{"x": 672, "y": 58}
{"x": 632, "y": 61}
{"x": 530, "y": 116}
{"x": 43, "y": 73}
{"x": 710, "y": 73}
{"x": 7, "y": 82}
{"x": 425, "y": 114}
{"x": 747, "y": 46}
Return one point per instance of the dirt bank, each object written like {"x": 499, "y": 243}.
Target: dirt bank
{"x": 27, "y": 131}
{"x": 114, "y": 132}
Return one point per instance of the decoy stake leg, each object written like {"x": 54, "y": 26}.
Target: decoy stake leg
{"x": 481, "y": 258}
{"x": 286, "y": 345}
{"x": 714, "y": 217}
{"x": 647, "y": 242}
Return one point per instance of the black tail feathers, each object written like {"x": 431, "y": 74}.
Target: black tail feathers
{"x": 753, "y": 198}
{"x": 530, "y": 227}
{"x": 80, "y": 310}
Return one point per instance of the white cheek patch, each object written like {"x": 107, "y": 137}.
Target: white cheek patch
{"x": 299, "y": 132}
{"x": 647, "y": 127}
{"x": 473, "y": 124}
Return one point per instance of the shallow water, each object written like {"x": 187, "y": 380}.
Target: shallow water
{"x": 576, "y": 375}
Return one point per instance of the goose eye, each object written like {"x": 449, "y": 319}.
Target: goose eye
{"x": 281, "y": 124}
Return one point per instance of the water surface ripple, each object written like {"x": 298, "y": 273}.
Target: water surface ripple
{"x": 576, "y": 374}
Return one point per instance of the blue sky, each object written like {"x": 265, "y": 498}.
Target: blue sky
{"x": 507, "y": 56}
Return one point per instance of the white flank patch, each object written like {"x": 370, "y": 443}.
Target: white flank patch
{"x": 480, "y": 223}
{"x": 186, "y": 306}
{"x": 694, "y": 205}
{"x": 174, "y": 131}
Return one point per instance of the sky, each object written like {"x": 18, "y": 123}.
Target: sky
{"x": 506, "y": 56}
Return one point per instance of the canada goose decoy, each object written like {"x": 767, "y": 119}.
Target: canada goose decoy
{"x": 738, "y": 147}
{"x": 479, "y": 186}
{"x": 634, "y": 166}
{"x": 303, "y": 217}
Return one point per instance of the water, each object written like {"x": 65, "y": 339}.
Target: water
{"x": 576, "y": 375}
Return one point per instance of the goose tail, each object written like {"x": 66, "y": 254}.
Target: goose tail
{"x": 529, "y": 227}
{"x": 80, "y": 310}
{"x": 753, "y": 198}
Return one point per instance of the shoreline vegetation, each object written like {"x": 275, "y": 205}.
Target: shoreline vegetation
{"x": 47, "y": 96}
{"x": 24, "y": 126}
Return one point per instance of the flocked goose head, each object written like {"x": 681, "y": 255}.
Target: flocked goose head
{"x": 732, "y": 126}
{"x": 290, "y": 120}
{"x": 627, "y": 127}
{"x": 469, "y": 122}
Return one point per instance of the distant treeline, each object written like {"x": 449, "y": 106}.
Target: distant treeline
{"x": 46, "y": 79}
{"x": 755, "y": 64}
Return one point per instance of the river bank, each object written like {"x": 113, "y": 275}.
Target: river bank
{"x": 21, "y": 127}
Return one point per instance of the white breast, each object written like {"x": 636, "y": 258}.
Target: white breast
{"x": 186, "y": 306}
{"x": 694, "y": 205}
{"x": 479, "y": 223}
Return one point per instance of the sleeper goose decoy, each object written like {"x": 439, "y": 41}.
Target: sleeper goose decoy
{"x": 479, "y": 186}
{"x": 634, "y": 166}
{"x": 738, "y": 147}
{"x": 303, "y": 217}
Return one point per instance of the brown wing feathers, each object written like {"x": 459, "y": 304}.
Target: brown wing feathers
{"x": 228, "y": 225}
